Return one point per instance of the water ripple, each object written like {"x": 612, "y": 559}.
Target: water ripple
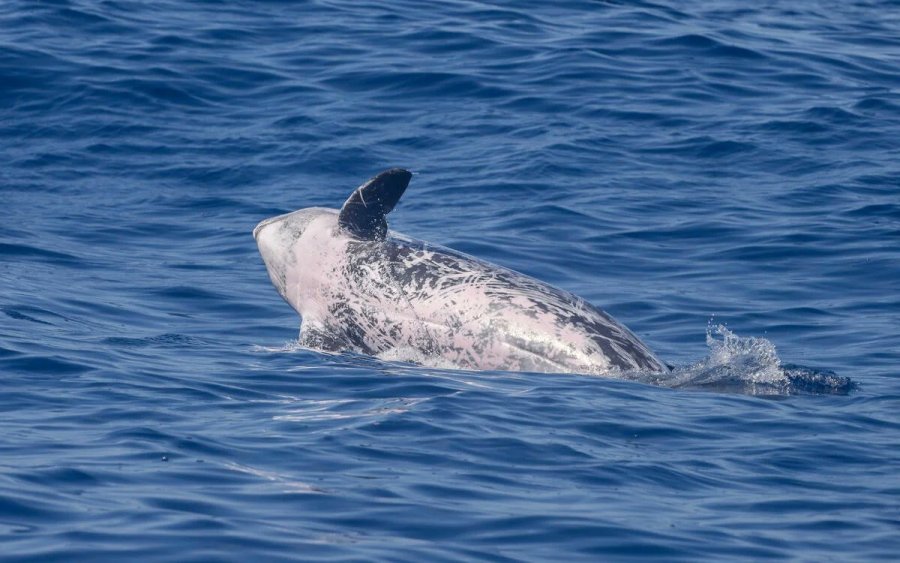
{"x": 683, "y": 166}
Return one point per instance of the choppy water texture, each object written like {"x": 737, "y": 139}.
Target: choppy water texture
{"x": 683, "y": 165}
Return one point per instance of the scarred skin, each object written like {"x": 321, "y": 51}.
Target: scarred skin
{"x": 412, "y": 300}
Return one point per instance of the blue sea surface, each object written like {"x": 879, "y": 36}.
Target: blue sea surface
{"x": 722, "y": 177}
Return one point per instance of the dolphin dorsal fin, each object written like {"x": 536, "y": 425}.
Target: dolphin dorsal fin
{"x": 363, "y": 213}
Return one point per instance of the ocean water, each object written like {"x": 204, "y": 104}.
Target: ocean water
{"x": 722, "y": 177}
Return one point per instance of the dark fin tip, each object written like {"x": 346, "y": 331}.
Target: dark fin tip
{"x": 363, "y": 214}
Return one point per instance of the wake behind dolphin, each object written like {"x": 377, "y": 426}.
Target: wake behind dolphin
{"x": 361, "y": 288}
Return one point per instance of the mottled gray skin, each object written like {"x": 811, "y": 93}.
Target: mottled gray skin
{"x": 405, "y": 299}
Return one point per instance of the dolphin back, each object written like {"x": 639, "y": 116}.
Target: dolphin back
{"x": 478, "y": 315}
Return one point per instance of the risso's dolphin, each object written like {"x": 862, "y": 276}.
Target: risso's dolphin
{"x": 359, "y": 287}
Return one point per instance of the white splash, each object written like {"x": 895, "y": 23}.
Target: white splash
{"x": 746, "y": 364}
{"x": 754, "y": 357}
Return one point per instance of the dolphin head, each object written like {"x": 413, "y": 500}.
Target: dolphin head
{"x": 280, "y": 239}
{"x": 299, "y": 247}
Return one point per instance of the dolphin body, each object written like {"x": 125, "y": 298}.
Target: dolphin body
{"x": 361, "y": 288}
